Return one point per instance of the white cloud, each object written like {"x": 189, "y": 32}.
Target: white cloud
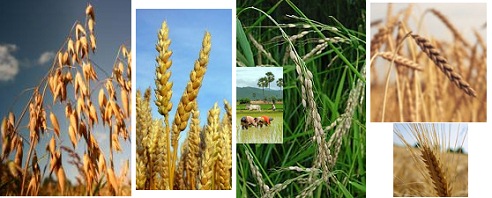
{"x": 45, "y": 57}
{"x": 9, "y": 65}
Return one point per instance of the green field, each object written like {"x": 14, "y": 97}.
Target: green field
{"x": 264, "y": 107}
{"x": 267, "y": 134}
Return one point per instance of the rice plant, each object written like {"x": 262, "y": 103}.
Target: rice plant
{"x": 323, "y": 150}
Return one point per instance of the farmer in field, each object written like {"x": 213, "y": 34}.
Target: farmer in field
{"x": 247, "y": 121}
{"x": 273, "y": 107}
{"x": 263, "y": 120}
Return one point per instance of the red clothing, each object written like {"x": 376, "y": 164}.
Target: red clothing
{"x": 266, "y": 118}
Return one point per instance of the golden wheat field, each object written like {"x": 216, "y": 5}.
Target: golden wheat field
{"x": 408, "y": 181}
{"x": 432, "y": 161}
{"x": 420, "y": 74}
{"x": 174, "y": 150}
{"x": 67, "y": 138}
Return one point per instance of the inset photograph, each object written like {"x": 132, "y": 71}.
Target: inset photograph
{"x": 184, "y": 90}
{"x": 430, "y": 160}
{"x": 428, "y": 62}
{"x": 259, "y": 109}
{"x": 65, "y": 87}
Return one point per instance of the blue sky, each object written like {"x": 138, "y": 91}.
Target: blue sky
{"x": 248, "y": 76}
{"x": 186, "y": 31}
{"x": 31, "y": 32}
{"x": 453, "y": 132}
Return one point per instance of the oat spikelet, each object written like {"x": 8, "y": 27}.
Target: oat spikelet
{"x": 61, "y": 179}
{"x": 208, "y": 158}
{"x": 54, "y": 122}
{"x": 443, "y": 65}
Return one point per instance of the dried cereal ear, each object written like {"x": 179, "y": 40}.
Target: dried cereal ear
{"x": 93, "y": 42}
{"x": 79, "y": 31}
{"x": 91, "y": 24}
{"x": 72, "y": 134}
{"x": 89, "y": 11}
{"x": 54, "y": 122}
{"x": 61, "y": 179}
{"x": 112, "y": 179}
{"x": 70, "y": 46}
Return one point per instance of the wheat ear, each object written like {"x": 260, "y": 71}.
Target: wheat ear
{"x": 189, "y": 96}
{"x": 163, "y": 91}
{"x": 442, "y": 64}
{"x": 141, "y": 177}
{"x": 193, "y": 150}
{"x": 144, "y": 121}
{"x": 221, "y": 178}
{"x": 400, "y": 61}
{"x": 209, "y": 153}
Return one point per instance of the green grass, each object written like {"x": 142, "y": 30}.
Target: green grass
{"x": 278, "y": 107}
{"x": 266, "y": 134}
{"x": 335, "y": 71}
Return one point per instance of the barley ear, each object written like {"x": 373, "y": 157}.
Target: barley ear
{"x": 434, "y": 167}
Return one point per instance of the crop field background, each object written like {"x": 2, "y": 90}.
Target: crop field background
{"x": 430, "y": 160}
{"x": 266, "y": 134}
{"x": 264, "y": 107}
{"x": 428, "y": 63}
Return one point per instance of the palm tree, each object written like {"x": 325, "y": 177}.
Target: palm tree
{"x": 270, "y": 78}
{"x": 262, "y": 83}
{"x": 280, "y": 82}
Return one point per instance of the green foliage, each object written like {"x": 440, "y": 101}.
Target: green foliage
{"x": 244, "y": 101}
{"x": 335, "y": 71}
